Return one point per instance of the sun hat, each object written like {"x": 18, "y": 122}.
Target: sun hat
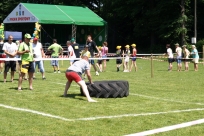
{"x": 193, "y": 46}
{"x": 184, "y": 46}
{"x": 133, "y": 45}
{"x": 118, "y": 47}
{"x": 127, "y": 46}
{"x": 176, "y": 44}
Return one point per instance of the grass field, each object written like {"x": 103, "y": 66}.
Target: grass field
{"x": 167, "y": 99}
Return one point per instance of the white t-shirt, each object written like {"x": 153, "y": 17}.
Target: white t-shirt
{"x": 170, "y": 53}
{"x": 70, "y": 49}
{"x": 80, "y": 66}
{"x": 11, "y": 48}
{"x": 178, "y": 51}
{"x": 37, "y": 51}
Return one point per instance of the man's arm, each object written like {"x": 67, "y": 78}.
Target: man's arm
{"x": 42, "y": 51}
{"x": 89, "y": 76}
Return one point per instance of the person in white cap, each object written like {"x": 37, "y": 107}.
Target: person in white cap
{"x": 127, "y": 58}
{"x": 195, "y": 56}
{"x": 186, "y": 54}
{"x": 170, "y": 57}
{"x": 178, "y": 57}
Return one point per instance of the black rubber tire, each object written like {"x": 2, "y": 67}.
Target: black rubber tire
{"x": 108, "y": 89}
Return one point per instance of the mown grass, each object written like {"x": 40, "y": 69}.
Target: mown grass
{"x": 166, "y": 91}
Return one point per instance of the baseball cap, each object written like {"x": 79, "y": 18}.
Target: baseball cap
{"x": 72, "y": 40}
{"x": 27, "y": 36}
{"x": 35, "y": 39}
{"x": 86, "y": 46}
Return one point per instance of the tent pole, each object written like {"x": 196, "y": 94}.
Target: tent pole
{"x": 74, "y": 31}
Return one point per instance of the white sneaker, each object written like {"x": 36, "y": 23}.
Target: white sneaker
{"x": 125, "y": 71}
{"x": 59, "y": 72}
{"x": 97, "y": 74}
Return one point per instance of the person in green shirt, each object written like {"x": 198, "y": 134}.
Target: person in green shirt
{"x": 26, "y": 51}
{"x": 56, "y": 50}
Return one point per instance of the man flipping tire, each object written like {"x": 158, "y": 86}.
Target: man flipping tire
{"x": 74, "y": 72}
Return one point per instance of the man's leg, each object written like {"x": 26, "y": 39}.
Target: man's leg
{"x": 67, "y": 88}
{"x": 6, "y": 69}
{"x": 30, "y": 79}
{"x": 41, "y": 68}
{"x": 20, "y": 80}
{"x": 85, "y": 90}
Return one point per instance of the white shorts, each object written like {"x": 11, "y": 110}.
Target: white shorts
{"x": 127, "y": 59}
{"x": 195, "y": 60}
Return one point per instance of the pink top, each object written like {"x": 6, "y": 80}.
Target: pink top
{"x": 104, "y": 51}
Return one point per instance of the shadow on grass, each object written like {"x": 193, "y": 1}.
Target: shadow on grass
{"x": 16, "y": 88}
{"x": 73, "y": 96}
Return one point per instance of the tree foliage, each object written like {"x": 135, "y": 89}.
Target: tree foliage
{"x": 148, "y": 23}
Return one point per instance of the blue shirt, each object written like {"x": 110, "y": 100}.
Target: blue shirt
{"x": 195, "y": 53}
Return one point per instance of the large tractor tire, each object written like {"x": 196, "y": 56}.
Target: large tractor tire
{"x": 108, "y": 89}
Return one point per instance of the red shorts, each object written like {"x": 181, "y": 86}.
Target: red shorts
{"x": 2, "y": 56}
{"x": 73, "y": 76}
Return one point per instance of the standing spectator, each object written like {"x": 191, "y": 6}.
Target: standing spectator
{"x": 17, "y": 56}
{"x": 38, "y": 55}
{"x": 118, "y": 60}
{"x": 195, "y": 56}
{"x": 134, "y": 53}
{"x": 170, "y": 57}
{"x": 71, "y": 53}
{"x": 10, "y": 49}
{"x": 186, "y": 54}
{"x": 99, "y": 61}
{"x": 74, "y": 72}
{"x": 178, "y": 57}
{"x": 104, "y": 55}
{"x": 2, "y": 55}
{"x": 92, "y": 48}
{"x": 26, "y": 51}
{"x": 56, "y": 51}
{"x": 86, "y": 52}
{"x": 75, "y": 46}
{"x": 127, "y": 58}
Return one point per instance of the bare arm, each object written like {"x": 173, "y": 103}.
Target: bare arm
{"x": 89, "y": 76}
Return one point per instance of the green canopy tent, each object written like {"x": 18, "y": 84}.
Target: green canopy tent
{"x": 80, "y": 20}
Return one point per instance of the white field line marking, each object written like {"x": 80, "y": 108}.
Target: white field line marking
{"x": 96, "y": 118}
{"x": 161, "y": 99}
{"x": 168, "y": 128}
{"x": 35, "y": 112}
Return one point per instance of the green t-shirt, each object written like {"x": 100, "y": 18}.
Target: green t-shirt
{"x": 55, "y": 49}
{"x": 26, "y": 56}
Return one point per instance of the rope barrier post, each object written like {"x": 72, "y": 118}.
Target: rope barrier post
{"x": 203, "y": 55}
{"x": 152, "y": 66}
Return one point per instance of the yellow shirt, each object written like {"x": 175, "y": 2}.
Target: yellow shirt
{"x": 85, "y": 53}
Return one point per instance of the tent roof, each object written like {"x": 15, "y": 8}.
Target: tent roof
{"x": 54, "y": 14}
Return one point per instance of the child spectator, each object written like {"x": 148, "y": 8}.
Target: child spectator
{"x": 134, "y": 53}
{"x": 118, "y": 60}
